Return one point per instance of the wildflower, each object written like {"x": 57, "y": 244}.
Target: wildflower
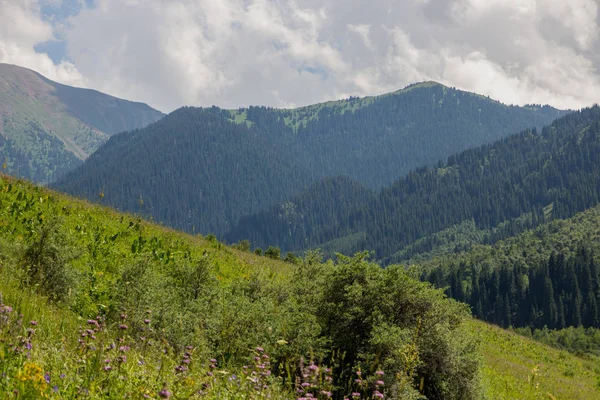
{"x": 122, "y": 359}
{"x": 260, "y": 349}
{"x": 380, "y": 373}
{"x": 379, "y": 383}
{"x": 55, "y": 389}
{"x": 107, "y": 368}
{"x": 47, "y": 377}
{"x": 62, "y": 376}
{"x": 123, "y": 327}
{"x": 355, "y": 394}
{"x": 164, "y": 393}
{"x": 146, "y": 321}
{"x": 212, "y": 360}
{"x": 378, "y": 394}
{"x": 34, "y": 323}
{"x": 124, "y": 348}
{"x": 326, "y": 393}
{"x": 123, "y": 317}
{"x": 313, "y": 367}
{"x": 305, "y": 384}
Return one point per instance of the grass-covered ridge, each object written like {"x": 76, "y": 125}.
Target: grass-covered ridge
{"x": 121, "y": 307}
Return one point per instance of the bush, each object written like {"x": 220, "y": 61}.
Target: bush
{"x": 45, "y": 261}
{"x": 273, "y": 252}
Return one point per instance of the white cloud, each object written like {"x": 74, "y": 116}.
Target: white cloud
{"x": 284, "y": 53}
{"x": 21, "y": 29}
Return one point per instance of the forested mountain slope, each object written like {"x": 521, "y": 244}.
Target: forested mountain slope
{"x": 375, "y": 140}
{"x": 192, "y": 170}
{"x": 100, "y": 303}
{"x": 506, "y": 187}
{"x": 273, "y": 155}
{"x": 548, "y": 276}
{"x": 47, "y": 128}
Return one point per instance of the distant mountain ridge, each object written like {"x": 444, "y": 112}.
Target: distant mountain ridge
{"x": 378, "y": 139}
{"x": 47, "y": 128}
{"x": 481, "y": 195}
{"x": 202, "y": 169}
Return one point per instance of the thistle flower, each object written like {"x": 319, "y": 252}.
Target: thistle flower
{"x": 164, "y": 393}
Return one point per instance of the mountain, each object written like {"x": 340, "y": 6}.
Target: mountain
{"x": 47, "y": 128}
{"x": 193, "y": 170}
{"x": 375, "y": 140}
{"x": 492, "y": 192}
{"x": 89, "y": 292}
{"x": 232, "y": 163}
{"x": 543, "y": 277}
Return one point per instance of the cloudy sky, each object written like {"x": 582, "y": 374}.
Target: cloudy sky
{"x": 286, "y": 53}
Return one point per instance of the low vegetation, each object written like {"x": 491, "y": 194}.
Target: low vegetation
{"x": 97, "y": 304}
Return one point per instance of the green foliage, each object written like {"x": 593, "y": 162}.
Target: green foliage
{"x": 580, "y": 341}
{"x": 273, "y": 252}
{"x": 243, "y": 245}
{"x": 159, "y": 291}
{"x": 46, "y": 259}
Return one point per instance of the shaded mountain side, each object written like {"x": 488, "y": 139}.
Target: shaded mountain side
{"x": 376, "y": 140}
{"x": 275, "y": 154}
{"x": 192, "y": 170}
{"x": 54, "y": 126}
{"x": 323, "y": 204}
{"x": 514, "y": 184}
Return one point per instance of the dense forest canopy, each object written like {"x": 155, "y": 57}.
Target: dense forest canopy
{"x": 231, "y": 164}
{"x": 497, "y": 190}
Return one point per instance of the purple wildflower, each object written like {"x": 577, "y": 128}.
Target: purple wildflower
{"x": 47, "y": 377}
{"x": 380, "y": 373}
{"x": 33, "y": 323}
{"x": 378, "y": 394}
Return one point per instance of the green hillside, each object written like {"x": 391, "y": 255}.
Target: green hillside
{"x": 114, "y": 302}
{"x": 47, "y": 128}
{"x": 481, "y": 195}
{"x": 224, "y": 177}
